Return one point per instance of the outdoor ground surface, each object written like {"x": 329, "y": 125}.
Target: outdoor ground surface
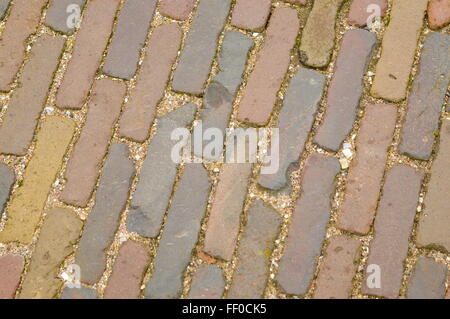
{"x": 359, "y": 208}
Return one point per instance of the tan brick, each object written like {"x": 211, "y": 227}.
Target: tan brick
{"x": 27, "y": 203}
{"x": 438, "y": 13}
{"x": 11, "y": 267}
{"x": 251, "y": 14}
{"x": 177, "y": 9}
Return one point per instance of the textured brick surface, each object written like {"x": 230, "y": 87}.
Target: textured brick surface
{"x": 260, "y": 93}
{"x": 438, "y": 13}
{"x": 428, "y": 280}
{"x": 57, "y": 16}
{"x": 361, "y": 11}
{"x": 79, "y": 293}
{"x": 11, "y": 267}
{"x": 398, "y": 49}
{"x": 7, "y": 179}
{"x": 366, "y": 171}
{"x": 250, "y": 14}
{"x": 208, "y": 283}
{"x": 393, "y": 225}
{"x": 28, "y": 100}
{"x": 177, "y": 9}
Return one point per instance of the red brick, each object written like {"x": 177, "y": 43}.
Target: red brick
{"x": 358, "y": 14}
{"x": 438, "y": 13}
{"x": 11, "y": 267}
{"x": 251, "y": 14}
{"x": 177, "y": 9}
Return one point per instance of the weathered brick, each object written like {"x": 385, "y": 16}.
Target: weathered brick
{"x": 89, "y": 150}
{"x": 427, "y": 97}
{"x": 28, "y": 100}
{"x": 345, "y": 88}
{"x": 260, "y": 93}
{"x": 7, "y": 179}
{"x": 129, "y": 37}
{"x": 129, "y": 267}
{"x": 255, "y": 248}
{"x": 299, "y": 2}
{"x": 21, "y": 23}
{"x": 438, "y": 13}
{"x": 61, "y": 14}
{"x": 151, "y": 81}
{"x": 428, "y": 280}
{"x": 27, "y": 203}
{"x": 307, "y": 228}
{"x": 157, "y": 175}
{"x": 251, "y": 14}
{"x": 434, "y": 225}
{"x": 11, "y": 267}
{"x": 295, "y": 121}
{"x": 208, "y": 283}
{"x": 91, "y": 41}
{"x": 59, "y": 233}
{"x": 180, "y": 233}
{"x": 3, "y": 6}
{"x": 366, "y": 171}
{"x": 79, "y": 293}
{"x": 177, "y": 9}
{"x": 393, "y": 225}
{"x": 360, "y": 13}
{"x": 338, "y": 268}
{"x": 318, "y": 35}
{"x": 103, "y": 220}
{"x": 398, "y": 50}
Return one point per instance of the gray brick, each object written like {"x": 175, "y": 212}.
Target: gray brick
{"x": 57, "y": 15}
{"x": 3, "y": 6}
{"x": 79, "y": 293}
{"x": 428, "y": 280}
{"x": 208, "y": 283}
{"x": 7, "y": 179}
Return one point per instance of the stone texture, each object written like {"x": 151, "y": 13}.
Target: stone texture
{"x": 91, "y": 41}
{"x": 157, "y": 175}
{"x": 393, "y": 226}
{"x": 91, "y": 146}
{"x": 434, "y": 224}
{"x": 29, "y": 98}
{"x": 177, "y": 9}
{"x": 398, "y": 49}
{"x": 251, "y": 14}
{"x": 427, "y": 97}
{"x": 295, "y": 121}
{"x": 59, "y": 14}
{"x": 11, "y": 267}
{"x": 255, "y": 248}
{"x": 7, "y": 179}
{"x": 318, "y": 35}
{"x": 27, "y": 203}
{"x": 79, "y": 293}
{"x": 200, "y": 46}
{"x": 338, "y": 268}
{"x": 438, "y": 14}
{"x": 129, "y": 267}
{"x": 152, "y": 78}
{"x": 345, "y": 88}
{"x": 180, "y": 233}
{"x": 358, "y": 14}
{"x": 59, "y": 233}
{"x": 103, "y": 221}
{"x": 308, "y": 223}
{"x": 208, "y": 283}
{"x": 260, "y": 93}
{"x": 129, "y": 37}
{"x": 427, "y": 280}
{"x": 3, "y": 6}
{"x": 366, "y": 170}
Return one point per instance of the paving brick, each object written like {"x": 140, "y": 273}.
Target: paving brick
{"x": 251, "y": 14}
{"x": 180, "y": 233}
{"x": 338, "y": 268}
{"x": 345, "y": 88}
{"x": 129, "y": 267}
{"x": 358, "y": 14}
{"x": 177, "y": 9}
{"x": 7, "y": 179}
{"x": 438, "y": 13}
{"x": 366, "y": 171}
{"x": 61, "y": 15}
{"x": 157, "y": 175}
{"x": 260, "y": 93}
{"x": 129, "y": 37}
{"x": 3, "y": 6}
{"x": 208, "y": 283}
{"x": 103, "y": 220}
{"x": 295, "y": 121}
{"x": 398, "y": 50}
{"x": 59, "y": 233}
{"x": 21, "y": 23}
{"x": 255, "y": 248}
{"x": 434, "y": 225}
{"x": 27, "y": 203}
{"x": 28, "y": 100}
{"x": 90, "y": 42}
{"x": 151, "y": 81}
{"x": 89, "y": 150}
{"x": 224, "y": 218}
{"x": 79, "y": 293}
{"x": 393, "y": 225}
{"x": 200, "y": 46}
{"x": 299, "y": 2}
{"x": 427, "y": 97}
{"x": 11, "y": 267}
{"x": 428, "y": 280}
{"x": 318, "y": 35}
{"x": 308, "y": 224}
